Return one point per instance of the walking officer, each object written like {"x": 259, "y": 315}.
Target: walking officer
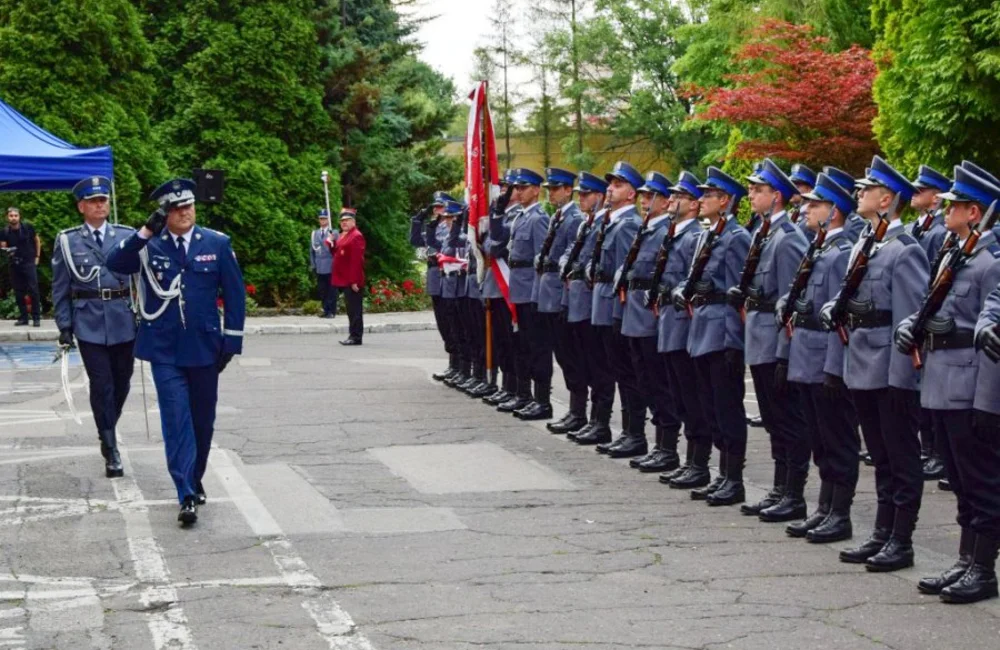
{"x": 183, "y": 268}
{"x": 883, "y": 383}
{"x": 951, "y": 368}
{"x": 816, "y": 364}
{"x": 321, "y": 261}
{"x": 93, "y": 304}
{"x": 715, "y": 340}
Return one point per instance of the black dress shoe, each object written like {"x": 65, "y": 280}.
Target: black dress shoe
{"x": 599, "y": 434}
{"x": 629, "y": 448}
{"x": 199, "y": 495}
{"x": 634, "y": 463}
{"x": 605, "y": 446}
{"x": 790, "y": 508}
{"x": 978, "y": 583}
{"x": 771, "y": 498}
{"x": 497, "y": 398}
{"x": 755, "y": 421}
{"x": 729, "y": 494}
{"x": 835, "y": 528}
{"x": 20, "y": 323}
{"x": 868, "y": 549}
{"x": 36, "y": 323}
{"x": 582, "y": 431}
{"x": 693, "y": 477}
{"x": 935, "y": 584}
{"x": 665, "y": 461}
{"x": 534, "y": 411}
{"x": 800, "y": 528}
{"x": 350, "y": 342}
{"x": 895, "y": 555}
{"x": 482, "y": 390}
{"x": 189, "y": 512}
{"x": 866, "y": 458}
{"x": 441, "y": 376}
{"x": 933, "y": 468}
{"x": 702, "y": 493}
{"x": 673, "y": 473}
{"x": 944, "y": 484}
{"x": 517, "y": 413}
{"x": 513, "y": 404}
{"x": 568, "y": 424}
{"x": 113, "y": 465}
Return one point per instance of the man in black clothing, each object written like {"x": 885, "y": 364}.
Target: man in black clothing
{"x": 23, "y": 247}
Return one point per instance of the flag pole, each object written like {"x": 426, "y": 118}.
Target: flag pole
{"x": 491, "y": 372}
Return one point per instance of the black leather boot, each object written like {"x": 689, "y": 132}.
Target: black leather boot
{"x": 585, "y": 429}
{"x": 575, "y": 418}
{"x": 702, "y": 493}
{"x": 773, "y": 496}
{"x": 488, "y": 385}
{"x": 519, "y": 400}
{"x": 966, "y": 547}
{"x": 109, "y": 449}
{"x": 792, "y": 505}
{"x": 541, "y": 407}
{"x": 635, "y": 443}
{"x": 447, "y": 372}
{"x": 933, "y": 467}
{"x": 732, "y": 490}
{"x": 683, "y": 467}
{"x": 600, "y": 432}
{"x": 507, "y": 389}
{"x": 898, "y": 551}
{"x": 884, "y": 516}
{"x": 800, "y": 528}
{"x": 461, "y": 375}
{"x": 980, "y": 581}
{"x": 696, "y": 475}
{"x": 666, "y": 459}
{"x": 603, "y": 447}
{"x": 837, "y": 525}
{"x": 944, "y": 484}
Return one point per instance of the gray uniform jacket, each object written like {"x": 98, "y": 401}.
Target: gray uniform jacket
{"x": 988, "y": 385}
{"x": 896, "y": 282}
{"x": 579, "y": 297}
{"x": 779, "y": 260}
{"x": 418, "y": 238}
{"x": 949, "y": 382}
{"x": 932, "y": 238}
{"x": 491, "y": 247}
{"x": 618, "y": 238}
{"x": 93, "y": 320}
{"x": 673, "y": 325}
{"x": 717, "y": 326}
{"x": 452, "y": 281}
{"x": 523, "y": 239}
{"x": 548, "y": 289}
{"x": 812, "y": 351}
{"x": 637, "y": 321}
{"x": 320, "y": 257}
{"x": 855, "y": 226}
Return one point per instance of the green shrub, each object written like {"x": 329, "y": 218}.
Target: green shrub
{"x": 312, "y": 307}
{"x": 8, "y": 307}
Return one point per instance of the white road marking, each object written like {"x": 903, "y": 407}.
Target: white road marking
{"x": 334, "y": 624}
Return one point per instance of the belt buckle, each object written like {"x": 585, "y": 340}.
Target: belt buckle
{"x": 851, "y": 321}
{"x": 105, "y": 294}
{"x": 929, "y": 341}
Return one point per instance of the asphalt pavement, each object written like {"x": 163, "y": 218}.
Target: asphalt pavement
{"x": 356, "y": 504}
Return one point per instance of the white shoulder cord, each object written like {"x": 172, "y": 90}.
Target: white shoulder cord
{"x": 95, "y": 271}
{"x": 165, "y": 295}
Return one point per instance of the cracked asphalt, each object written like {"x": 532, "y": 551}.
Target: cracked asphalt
{"x": 355, "y": 503}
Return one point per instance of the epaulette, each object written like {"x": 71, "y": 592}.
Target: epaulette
{"x": 906, "y": 239}
{"x": 788, "y": 226}
{"x": 843, "y": 243}
{"x": 215, "y": 232}
{"x": 121, "y": 226}
{"x": 70, "y": 229}
{"x": 994, "y": 250}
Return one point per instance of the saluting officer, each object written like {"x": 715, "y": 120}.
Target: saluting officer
{"x": 321, "y": 261}
{"x": 767, "y": 346}
{"x": 816, "y": 367}
{"x": 678, "y": 246}
{"x": 92, "y": 303}
{"x": 639, "y": 328}
{"x": 883, "y": 383}
{"x": 623, "y": 222}
{"x": 428, "y": 232}
{"x": 804, "y": 180}
{"x": 950, "y": 380}
{"x": 183, "y": 267}
{"x": 715, "y": 342}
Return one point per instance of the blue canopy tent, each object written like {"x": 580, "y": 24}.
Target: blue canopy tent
{"x": 34, "y": 160}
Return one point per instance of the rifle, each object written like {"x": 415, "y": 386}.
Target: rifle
{"x": 701, "y": 261}
{"x": 859, "y": 267}
{"x": 950, "y": 242}
{"x": 943, "y": 282}
{"x": 550, "y": 238}
{"x": 802, "y": 274}
{"x": 661, "y": 261}
{"x": 598, "y": 245}
{"x": 581, "y": 238}
{"x": 794, "y": 213}
{"x": 925, "y": 226}
{"x": 621, "y": 287}
{"x": 753, "y": 259}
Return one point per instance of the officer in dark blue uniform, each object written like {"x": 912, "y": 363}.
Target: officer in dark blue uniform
{"x": 184, "y": 268}
{"x": 93, "y": 304}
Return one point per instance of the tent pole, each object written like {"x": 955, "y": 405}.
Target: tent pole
{"x": 114, "y": 203}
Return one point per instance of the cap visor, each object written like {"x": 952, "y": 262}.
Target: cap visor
{"x": 96, "y": 196}
{"x": 951, "y": 196}
{"x": 757, "y": 180}
{"x": 812, "y": 196}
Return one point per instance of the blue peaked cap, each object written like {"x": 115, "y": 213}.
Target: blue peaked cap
{"x": 840, "y": 177}
{"x": 442, "y": 198}
{"x": 522, "y": 176}
{"x": 452, "y": 208}
{"x": 590, "y": 183}
{"x": 970, "y": 187}
{"x": 323, "y": 214}
{"x": 625, "y": 172}
{"x": 174, "y": 194}
{"x": 979, "y": 171}
{"x": 771, "y": 174}
{"x": 555, "y": 177}
{"x": 802, "y": 174}
{"x": 656, "y": 182}
{"x": 688, "y": 183}
{"x": 720, "y": 180}
{"x": 928, "y": 177}
{"x": 884, "y": 174}
{"x": 828, "y": 190}
{"x": 92, "y": 187}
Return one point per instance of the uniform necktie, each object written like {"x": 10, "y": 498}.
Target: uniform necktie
{"x": 180, "y": 249}
{"x": 97, "y": 238}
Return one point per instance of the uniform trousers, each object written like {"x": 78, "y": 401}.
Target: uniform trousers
{"x": 109, "y": 370}
{"x": 889, "y": 419}
{"x": 834, "y": 443}
{"x": 451, "y": 311}
{"x": 782, "y": 416}
{"x": 588, "y": 340}
{"x": 24, "y": 280}
{"x": 620, "y": 362}
{"x": 355, "y": 312}
{"x": 570, "y": 348}
{"x": 929, "y": 426}
{"x": 721, "y": 390}
{"x": 474, "y": 325}
{"x": 969, "y": 444}
{"x": 327, "y": 293}
{"x": 187, "y": 398}
{"x": 682, "y": 382}
{"x": 503, "y": 336}
{"x": 653, "y": 384}
{"x": 534, "y": 345}
{"x": 443, "y": 324}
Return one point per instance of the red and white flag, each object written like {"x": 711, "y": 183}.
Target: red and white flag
{"x": 482, "y": 186}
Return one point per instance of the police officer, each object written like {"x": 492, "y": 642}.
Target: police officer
{"x": 453, "y": 288}
{"x": 428, "y": 232}
{"x": 639, "y": 328}
{"x": 548, "y": 293}
{"x": 855, "y": 223}
{"x": 575, "y": 263}
{"x": 622, "y": 225}
{"x": 816, "y": 365}
{"x": 474, "y": 320}
{"x": 183, "y": 267}
{"x": 92, "y": 303}
{"x": 883, "y": 383}
{"x": 503, "y": 213}
{"x": 951, "y": 369}
{"x": 767, "y": 345}
{"x": 804, "y": 180}
{"x": 673, "y": 326}
{"x": 22, "y": 244}
{"x": 321, "y": 261}
{"x": 715, "y": 341}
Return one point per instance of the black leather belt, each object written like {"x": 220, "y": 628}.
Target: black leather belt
{"x": 103, "y": 294}
{"x": 871, "y": 320}
{"x": 602, "y": 277}
{"x": 550, "y": 267}
{"x": 954, "y": 340}
{"x": 520, "y": 264}
{"x": 640, "y": 285}
{"x": 699, "y": 299}
{"x": 756, "y": 304}
{"x": 807, "y": 322}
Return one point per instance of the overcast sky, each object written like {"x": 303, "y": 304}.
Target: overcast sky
{"x": 450, "y": 38}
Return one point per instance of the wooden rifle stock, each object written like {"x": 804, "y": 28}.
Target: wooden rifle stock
{"x": 621, "y": 287}
{"x": 701, "y": 261}
{"x": 661, "y": 261}
{"x": 550, "y": 238}
{"x": 598, "y": 246}
{"x": 581, "y": 238}
{"x": 753, "y": 259}
{"x": 802, "y": 274}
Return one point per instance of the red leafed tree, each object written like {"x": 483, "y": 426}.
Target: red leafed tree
{"x": 794, "y": 99}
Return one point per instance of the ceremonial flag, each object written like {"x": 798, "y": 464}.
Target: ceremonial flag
{"x": 482, "y": 186}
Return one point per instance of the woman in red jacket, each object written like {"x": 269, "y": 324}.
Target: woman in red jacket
{"x": 349, "y": 272}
